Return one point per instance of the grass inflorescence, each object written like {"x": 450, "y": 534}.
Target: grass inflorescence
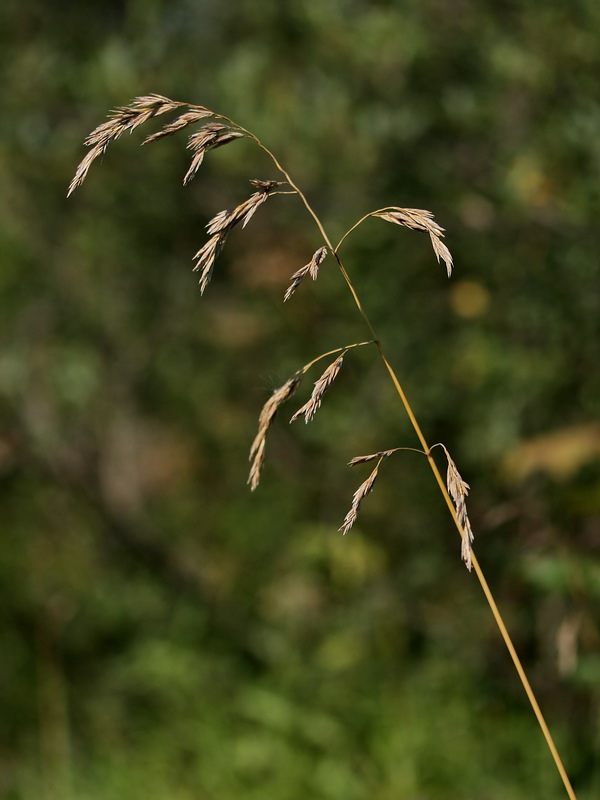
{"x": 221, "y": 131}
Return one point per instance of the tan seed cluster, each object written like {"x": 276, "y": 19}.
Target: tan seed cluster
{"x": 122, "y": 119}
{"x": 419, "y": 220}
{"x": 189, "y": 118}
{"x": 209, "y": 137}
{"x": 220, "y": 225}
{"x": 312, "y": 269}
{"x": 267, "y": 415}
{"x": 141, "y": 109}
{"x": 359, "y": 495}
{"x": 459, "y": 490}
{"x": 363, "y": 459}
{"x": 309, "y": 409}
{"x": 207, "y": 255}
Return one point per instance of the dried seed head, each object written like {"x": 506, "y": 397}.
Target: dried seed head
{"x": 267, "y": 415}
{"x": 210, "y": 136}
{"x": 359, "y": 495}
{"x": 363, "y": 459}
{"x": 195, "y": 164}
{"x": 158, "y": 102}
{"x": 459, "y": 490}
{"x": 316, "y": 262}
{"x": 312, "y": 269}
{"x": 84, "y": 166}
{"x": 219, "y": 226}
{"x": 266, "y": 186}
{"x": 309, "y": 409}
{"x": 257, "y": 461}
{"x": 124, "y": 118}
{"x": 189, "y": 118}
{"x": 441, "y": 252}
{"x": 206, "y": 256}
{"x": 207, "y": 134}
{"x": 242, "y": 213}
{"x": 419, "y": 219}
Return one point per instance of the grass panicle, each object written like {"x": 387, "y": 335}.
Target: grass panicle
{"x": 221, "y": 131}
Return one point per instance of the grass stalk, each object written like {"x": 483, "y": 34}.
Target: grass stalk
{"x": 216, "y": 134}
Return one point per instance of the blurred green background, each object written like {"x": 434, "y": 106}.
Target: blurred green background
{"x": 168, "y": 634}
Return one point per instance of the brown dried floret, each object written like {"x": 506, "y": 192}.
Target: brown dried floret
{"x": 124, "y": 118}
{"x": 312, "y": 269}
{"x": 231, "y": 216}
{"x": 309, "y": 409}
{"x": 266, "y": 186}
{"x": 189, "y": 118}
{"x": 209, "y": 137}
{"x": 219, "y": 226}
{"x": 459, "y": 490}
{"x": 419, "y": 219}
{"x": 267, "y": 415}
{"x": 244, "y": 212}
{"x": 371, "y": 457}
{"x": 206, "y": 256}
{"x": 359, "y": 495}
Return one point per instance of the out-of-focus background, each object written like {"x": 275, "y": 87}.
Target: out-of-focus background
{"x": 166, "y": 633}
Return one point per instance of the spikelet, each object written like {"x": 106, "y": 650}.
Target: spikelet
{"x": 182, "y": 121}
{"x": 312, "y": 269}
{"x": 231, "y": 216}
{"x": 309, "y": 409}
{"x": 359, "y": 495}
{"x": 206, "y": 256}
{"x": 267, "y": 415}
{"x": 210, "y": 136}
{"x": 219, "y": 226}
{"x": 459, "y": 490}
{"x": 363, "y": 459}
{"x": 418, "y": 219}
{"x": 124, "y": 118}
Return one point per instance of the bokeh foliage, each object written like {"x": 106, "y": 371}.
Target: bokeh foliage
{"x": 167, "y": 634}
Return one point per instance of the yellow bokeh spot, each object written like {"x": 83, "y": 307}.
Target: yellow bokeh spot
{"x": 469, "y": 299}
